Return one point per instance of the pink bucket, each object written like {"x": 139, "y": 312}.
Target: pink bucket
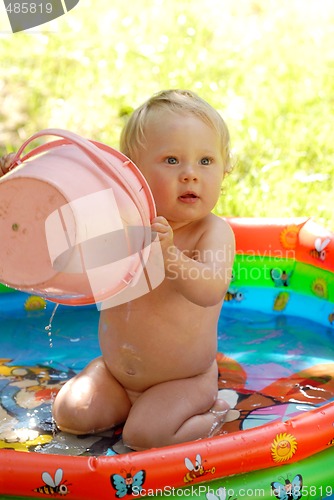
{"x": 74, "y": 222}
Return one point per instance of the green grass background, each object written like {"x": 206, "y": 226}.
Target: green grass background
{"x": 266, "y": 65}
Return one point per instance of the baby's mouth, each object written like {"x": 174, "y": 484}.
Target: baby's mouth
{"x": 188, "y": 197}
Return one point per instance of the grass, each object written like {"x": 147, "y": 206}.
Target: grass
{"x": 266, "y": 65}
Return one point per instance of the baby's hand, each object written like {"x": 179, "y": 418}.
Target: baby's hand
{"x": 161, "y": 227}
{"x": 5, "y": 163}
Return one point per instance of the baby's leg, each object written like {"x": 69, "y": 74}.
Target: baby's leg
{"x": 91, "y": 401}
{"x": 176, "y": 411}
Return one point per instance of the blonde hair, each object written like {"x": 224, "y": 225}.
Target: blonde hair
{"x": 184, "y": 101}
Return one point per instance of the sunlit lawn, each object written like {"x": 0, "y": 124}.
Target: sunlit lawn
{"x": 267, "y": 66}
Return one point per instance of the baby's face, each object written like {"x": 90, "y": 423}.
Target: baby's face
{"x": 183, "y": 165}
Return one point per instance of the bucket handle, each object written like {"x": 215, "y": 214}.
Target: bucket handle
{"x": 71, "y": 138}
{"x": 90, "y": 149}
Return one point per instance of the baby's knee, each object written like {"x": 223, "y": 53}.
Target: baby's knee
{"x": 69, "y": 414}
{"x": 134, "y": 437}
{"x": 141, "y": 436}
{"x": 67, "y": 419}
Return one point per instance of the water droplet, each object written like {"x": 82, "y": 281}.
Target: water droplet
{"x": 48, "y": 328}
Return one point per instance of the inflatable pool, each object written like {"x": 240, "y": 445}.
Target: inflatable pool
{"x": 276, "y": 367}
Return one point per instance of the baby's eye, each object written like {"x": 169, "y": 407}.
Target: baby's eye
{"x": 206, "y": 161}
{"x": 171, "y": 160}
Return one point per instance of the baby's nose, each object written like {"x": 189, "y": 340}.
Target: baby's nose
{"x": 189, "y": 174}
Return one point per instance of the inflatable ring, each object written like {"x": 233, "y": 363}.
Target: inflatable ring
{"x": 278, "y": 442}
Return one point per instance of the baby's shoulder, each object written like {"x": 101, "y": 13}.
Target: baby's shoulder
{"x": 219, "y": 225}
{"x": 216, "y": 234}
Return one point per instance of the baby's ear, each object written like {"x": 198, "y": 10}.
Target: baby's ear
{"x": 5, "y": 163}
{"x": 231, "y": 163}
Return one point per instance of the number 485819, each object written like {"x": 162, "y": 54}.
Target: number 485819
{"x": 29, "y": 8}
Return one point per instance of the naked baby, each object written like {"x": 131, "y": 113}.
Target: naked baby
{"x": 157, "y": 373}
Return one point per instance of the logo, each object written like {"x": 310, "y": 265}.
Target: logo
{"x": 24, "y": 15}
{"x": 283, "y": 447}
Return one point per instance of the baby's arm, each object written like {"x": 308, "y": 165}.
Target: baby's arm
{"x": 205, "y": 278}
{"x": 5, "y": 163}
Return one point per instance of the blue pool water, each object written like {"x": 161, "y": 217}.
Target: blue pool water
{"x": 268, "y": 346}
{"x": 261, "y": 348}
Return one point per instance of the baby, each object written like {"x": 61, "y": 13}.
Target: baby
{"x": 158, "y": 373}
